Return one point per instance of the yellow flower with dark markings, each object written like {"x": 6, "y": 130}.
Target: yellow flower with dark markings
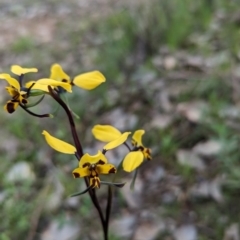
{"x": 89, "y": 165}
{"x": 87, "y": 81}
{"x": 135, "y": 157}
{"x": 137, "y": 143}
{"x": 18, "y": 96}
{"x": 18, "y": 93}
{"x": 92, "y": 166}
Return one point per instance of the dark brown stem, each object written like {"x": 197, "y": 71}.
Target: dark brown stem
{"x": 71, "y": 121}
{"x": 79, "y": 154}
{"x": 108, "y": 208}
{"x": 34, "y": 114}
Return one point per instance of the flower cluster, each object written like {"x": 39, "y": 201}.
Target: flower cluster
{"x": 58, "y": 80}
{"x": 90, "y": 167}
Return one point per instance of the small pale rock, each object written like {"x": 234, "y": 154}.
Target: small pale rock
{"x": 232, "y": 232}
{"x": 148, "y": 231}
{"x": 121, "y": 119}
{"x": 19, "y": 172}
{"x": 191, "y": 159}
{"x": 208, "y": 189}
{"x": 156, "y": 174}
{"x": 161, "y": 121}
{"x": 123, "y": 227}
{"x": 185, "y": 232}
{"x": 67, "y": 231}
{"x": 208, "y": 148}
{"x": 193, "y": 111}
{"x": 169, "y": 62}
{"x": 132, "y": 196}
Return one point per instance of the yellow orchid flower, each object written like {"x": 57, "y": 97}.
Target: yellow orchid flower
{"x": 89, "y": 166}
{"x": 18, "y": 93}
{"x": 108, "y": 133}
{"x": 137, "y": 143}
{"x": 88, "y": 81}
{"x": 14, "y": 90}
{"x": 92, "y": 166}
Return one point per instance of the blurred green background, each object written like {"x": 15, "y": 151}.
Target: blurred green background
{"x": 173, "y": 69}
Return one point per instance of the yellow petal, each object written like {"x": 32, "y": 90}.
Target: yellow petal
{"x": 105, "y": 133}
{"x": 89, "y": 80}
{"x": 117, "y": 142}
{"x": 16, "y": 69}
{"x": 58, "y": 74}
{"x": 10, "y": 106}
{"x": 13, "y": 92}
{"x": 58, "y": 144}
{"x": 55, "y": 83}
{"x": 37, "y": 86}
{"x": 106, "y": 168}
{"x": 81, "y": 172}
{"x": 92, "y": 159}
{"x": 137, "y": 137}
{"x": 132, "y": 161}
{"x": 11, "y": 81}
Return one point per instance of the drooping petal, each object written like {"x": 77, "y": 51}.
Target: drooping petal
{"x": 58, "y": 144}
{"x": 16, "y": 69}
{"x": 92, "y": 159}
{"x": 58, "y": 74}
{"x": 81, "y": 172}
{"x": 55, "y": 83}
{"x": 11, "y": 106}
{"x": 137, "y": 137}
{"x": 117, "y": 142}
{"x": 89, "y": 80}
{"x": 105, "y": 133}
{"x": 106, "y": 168}
{"x": 132, "y": 161}
{"x": 11, "y": 81}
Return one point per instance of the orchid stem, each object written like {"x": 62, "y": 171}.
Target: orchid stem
{"x": 71, "y": 121}
{"x": 92, "y": 192}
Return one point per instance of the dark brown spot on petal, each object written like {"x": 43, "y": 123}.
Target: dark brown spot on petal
{"x": 24, "y": 101}
{"x": 76, "y": 175}
{"x": 112, "y": 170}
{"x": 86, "y": 165}
{"x": 141, "y": 148}
{"x": 64, "y": 80}
{"x": 10, "y": 107}
{"x": 101, "y": 162}
{"x": 95, "y": 182}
